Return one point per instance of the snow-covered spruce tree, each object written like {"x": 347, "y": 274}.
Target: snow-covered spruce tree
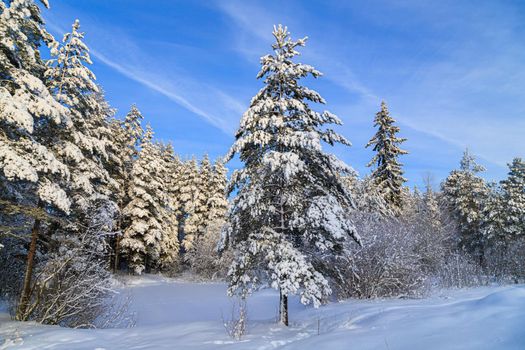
{"x": 465, "y": 194}
{"x": 197, "y": 221}
{"x": 388, "y": 173}
{"x": 431, "y": 210}
{"x": 169, "y": 245}
{"x": 369, "y": 203}
{"x": 133, "y": 134}
{"x": 514, "y": 199}
{"x": 193, "y": 201}
{"x": 127, "y": 137}
{"x": 290, "y": 209}
{"x": 82, "y": 146}
{"x": 31, "y": 176}
{"x": 503, "y": 222}
{"x": 144, "y": 214}
{"x": 203, "y": 257}
{"x": 217, "y": 202}
{"x": 494, "y": 215}
{"x": 85, "y": 146}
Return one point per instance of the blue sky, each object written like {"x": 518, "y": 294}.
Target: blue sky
{"x": 452, "y": 72}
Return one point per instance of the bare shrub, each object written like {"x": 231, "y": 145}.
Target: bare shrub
{"x": 504, "y": 260}
{"x": 235, "y": 326}
{"x": 459, "y": 271}
{"x": 204, "y": 258}
{"x": 72, "y": 283}
{"x": 386, "y": 265}
{"x": 12, "y": 267}
{"x": 116, "y": 311}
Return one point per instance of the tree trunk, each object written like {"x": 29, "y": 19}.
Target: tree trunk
{"x": 283, "y": 308}
{"x": 26, "y": 290}
{"x": 117, "y": 253}
{"x": 482, "y": 255}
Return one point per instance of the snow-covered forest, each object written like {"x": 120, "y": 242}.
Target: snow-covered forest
{"x": 90, "y": 200}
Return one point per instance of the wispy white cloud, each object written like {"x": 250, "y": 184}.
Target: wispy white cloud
{"x": 430, "y": 99}
{"x": 129, "y": 60}
{"x": 161, "y": 87}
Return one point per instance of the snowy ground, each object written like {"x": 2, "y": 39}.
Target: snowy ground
{"x": 174, "y": 314}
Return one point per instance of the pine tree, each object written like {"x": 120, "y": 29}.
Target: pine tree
{"x": 465, "y": 194}
{"x": 290, "y": 207}
{"x": 388, "y": 174}
{"x": 144, "y": 213}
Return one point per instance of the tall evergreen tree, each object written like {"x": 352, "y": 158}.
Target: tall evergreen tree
{"x": 197, "y": 221}
{"x": 514, "y": 198}
{"x": 431, "y": 209}
{"x": 169, "y": 245}
{"x": 127, "y": 137}
{"x": 290, "y": 207}
{"x": 216, "y": 200}
{"x": 85, "y": 146}
{"x": 144, "y": 213}
{"x": 388, "y": 174}
{"x": 494, "y": 216}
{"x": 32, "y": 178}
{"x": 193, "y": 202}
{"x": 213, "y": 220}
{"x": 27, "y": 107}
{"x": 465, "y": 194}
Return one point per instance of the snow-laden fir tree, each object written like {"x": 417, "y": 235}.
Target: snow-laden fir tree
{"x": 388, "y": 172}
{"x": 465, "y": 194}
{"x": 367, "y": 199}
{"x": 185, "y": 191}
{"x": 31, "y": 176}
{"x": 431, "y": 209}
{"x": 514, "y": 199}
{"x": 169, "y": 245}
{"x": 216, "y": 200}
{"x": 27, "y": 106}
{"x": 290, "y": 206}
{"x": 494, "y": 216}
{"x": 197, "y": 221}
{"x": 85, "y": 146}
{"x": 192, "y": 196}
{"x": 133, "y": 134}
{"x": 203, "y": 257}
{"x": 127, "y": 136}
{"x": 144, "y": 214}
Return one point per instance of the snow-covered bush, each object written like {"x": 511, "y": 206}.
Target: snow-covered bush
{"x": 387, "y": 264}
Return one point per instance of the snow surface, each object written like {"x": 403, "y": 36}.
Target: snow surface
{"x": 176, "y": 314}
